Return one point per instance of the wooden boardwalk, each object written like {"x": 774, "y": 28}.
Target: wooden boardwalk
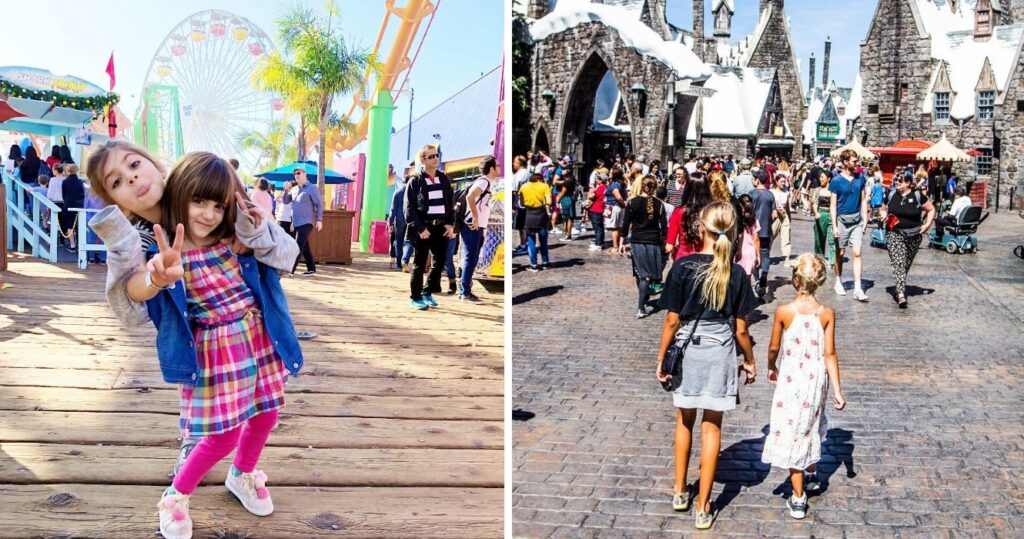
{"x": 394, "y": 427}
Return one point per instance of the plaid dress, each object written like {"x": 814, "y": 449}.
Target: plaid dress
{"x": 240, "y": 375}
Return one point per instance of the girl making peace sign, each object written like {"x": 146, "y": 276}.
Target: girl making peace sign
{"x": 223, "y": 329}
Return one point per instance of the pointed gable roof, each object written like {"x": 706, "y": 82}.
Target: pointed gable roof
{"x": 828, "y": 113}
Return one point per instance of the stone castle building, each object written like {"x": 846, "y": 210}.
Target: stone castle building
{"x": 673, "y": 89}
{"x": 949, "y": 67}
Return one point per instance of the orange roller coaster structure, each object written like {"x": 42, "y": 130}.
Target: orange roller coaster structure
{"x": 397, "y": 63}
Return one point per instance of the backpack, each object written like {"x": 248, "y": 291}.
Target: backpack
{"x": 461, "y": 206}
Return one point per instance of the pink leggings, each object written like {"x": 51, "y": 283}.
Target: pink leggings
{"x": 249, "y": 439}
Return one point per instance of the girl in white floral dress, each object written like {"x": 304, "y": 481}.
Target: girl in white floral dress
{"x": 800, "y": 357}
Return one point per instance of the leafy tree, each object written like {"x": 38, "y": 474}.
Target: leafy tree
{"x": 275, "y": 144}
{"x": 521, "y": 51}
{"x": 317, "y": 65}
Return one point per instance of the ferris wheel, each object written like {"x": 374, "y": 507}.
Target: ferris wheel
{"x": 207, "y": 60}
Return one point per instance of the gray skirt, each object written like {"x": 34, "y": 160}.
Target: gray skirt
{"x": 648, "y": 261}
{"x": 709, "y": 368}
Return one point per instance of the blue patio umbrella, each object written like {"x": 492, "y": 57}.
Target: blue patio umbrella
{"x": 280, "y": 175}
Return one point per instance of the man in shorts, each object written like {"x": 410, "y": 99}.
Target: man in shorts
{"x": 849, "y": 208}
{"x": 614, "y": 206}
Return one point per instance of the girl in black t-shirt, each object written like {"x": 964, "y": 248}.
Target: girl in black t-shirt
{"x": 709, "y": 286}
{"x": 645, "y": 224}
{"x": 906, "y": 224}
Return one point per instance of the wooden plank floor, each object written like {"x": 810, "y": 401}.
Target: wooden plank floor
{"x": 394, "y": 427}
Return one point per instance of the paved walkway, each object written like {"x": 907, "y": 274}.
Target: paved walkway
{"x": 930, "y": 445}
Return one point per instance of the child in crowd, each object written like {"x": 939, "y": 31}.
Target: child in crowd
{"x": 803, "y": 335}
{"x": 748, "y": 256}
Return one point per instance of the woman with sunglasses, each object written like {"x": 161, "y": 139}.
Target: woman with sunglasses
{"x": 908, "y": 216}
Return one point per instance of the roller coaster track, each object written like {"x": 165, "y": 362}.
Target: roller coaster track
{"x": 397, "y": 64}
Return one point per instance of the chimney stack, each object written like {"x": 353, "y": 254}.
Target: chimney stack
{"x": 537, "y": 9}
{"x": 810, "y": 80}
{"x": 824, "y": 70}
{"x": 698, "y": 29}
{"x": 698, "y": 20}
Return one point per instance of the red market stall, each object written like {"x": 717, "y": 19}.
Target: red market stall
{"x": 899, "y": 155}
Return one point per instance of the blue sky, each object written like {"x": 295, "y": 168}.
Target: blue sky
{"x": 846, "y": 21}
{"x": 75, "y": 38}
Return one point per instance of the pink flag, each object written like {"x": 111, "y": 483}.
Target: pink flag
{"x": 110, "y": 70}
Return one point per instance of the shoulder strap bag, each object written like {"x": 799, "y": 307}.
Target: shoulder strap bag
{"x": 672, "y": 365}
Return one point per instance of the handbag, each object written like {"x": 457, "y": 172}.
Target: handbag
{"x": 672, "y": 365}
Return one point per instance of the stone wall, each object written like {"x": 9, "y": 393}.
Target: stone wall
{"x": 571, "y": 64}
{"x": 1010, "y": 125}
{"x": 894, "y": 54}
{"x": 774, "y": 51}
{"x": 737, "y": 147}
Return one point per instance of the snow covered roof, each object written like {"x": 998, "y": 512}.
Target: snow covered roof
{"x": 738, "y": 54}
{"x": 854, "y": 103}
{"x": 739, "y": 101}
{"x": 634, "y": 7}
{"x": 635, "y": 34}
{"x": 964, "y": 58}
{"x": 729, "y": 4}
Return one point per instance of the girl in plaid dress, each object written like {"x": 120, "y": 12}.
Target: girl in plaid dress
{"x": 230, "y": 315}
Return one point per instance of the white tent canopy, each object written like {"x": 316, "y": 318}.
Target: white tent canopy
{"x": 857, "y": 147}
{"x": 943, "y": 150}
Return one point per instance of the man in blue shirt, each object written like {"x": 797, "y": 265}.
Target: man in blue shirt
{"x": 307, "y": 213}
{"x": 849, "y": 210}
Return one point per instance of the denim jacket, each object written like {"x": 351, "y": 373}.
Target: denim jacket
{"x": 273, "y": 251}
{"x": 176, "y": 346}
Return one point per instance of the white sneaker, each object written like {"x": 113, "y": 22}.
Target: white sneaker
{"x": 594, "y": 248}
{"x": 859, "y": 295}
{"x": 251, "y": 490}
{"x": 174, "y": 520}
{"x": 839, "y": 288}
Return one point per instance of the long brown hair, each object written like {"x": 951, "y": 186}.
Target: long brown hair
{"x": 648, "y": 186}
{"x": 200, "y": 176}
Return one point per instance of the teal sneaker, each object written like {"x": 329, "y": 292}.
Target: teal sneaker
{"x": 429, "y": 300}
{"x": 419, "y": 305}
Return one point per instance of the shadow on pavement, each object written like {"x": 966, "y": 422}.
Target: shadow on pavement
{"x": 538, "y": 293}
{"x": 911, "y": 291}
{"x": 566, "y": 263}
{"x": 739, "y": 467}
{"x": 836, "y": 451}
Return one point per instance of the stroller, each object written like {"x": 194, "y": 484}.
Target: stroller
{"x": 959, "y": 237}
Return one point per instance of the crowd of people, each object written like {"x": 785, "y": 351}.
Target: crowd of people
{"x": 430, "y": 219}
{"x": 843, "y": 197}
{"x": 711, "y": 223}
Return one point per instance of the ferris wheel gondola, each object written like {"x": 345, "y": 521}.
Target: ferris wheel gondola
{"x": 209, "y": 57}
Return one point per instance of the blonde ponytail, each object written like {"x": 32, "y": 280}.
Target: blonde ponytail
{"x": 719, "y": 219}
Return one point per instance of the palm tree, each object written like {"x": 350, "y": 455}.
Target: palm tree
{"x": 275, "y": 144}
{"x": 321, "y": 67}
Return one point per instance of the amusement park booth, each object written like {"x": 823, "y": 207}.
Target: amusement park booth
{"x": 333, "y": 244}
{"x": 37, "y": 103}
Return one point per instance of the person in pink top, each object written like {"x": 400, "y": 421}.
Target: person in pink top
{"x": 750, "y": 247}
{"x": 684, "y": 234}
{"x": 262, "y": 197}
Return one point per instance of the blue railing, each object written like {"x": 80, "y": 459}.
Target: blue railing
{"x": 27, "y": 218}
{"x": 84, "y": 247}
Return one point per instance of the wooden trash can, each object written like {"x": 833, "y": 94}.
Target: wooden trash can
{"x": 333, "y": 244}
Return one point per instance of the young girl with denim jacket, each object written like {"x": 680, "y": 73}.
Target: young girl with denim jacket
{"x": 223, "y": 328}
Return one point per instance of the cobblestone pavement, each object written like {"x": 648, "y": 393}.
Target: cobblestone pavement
{"x": 930, "y": 445}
